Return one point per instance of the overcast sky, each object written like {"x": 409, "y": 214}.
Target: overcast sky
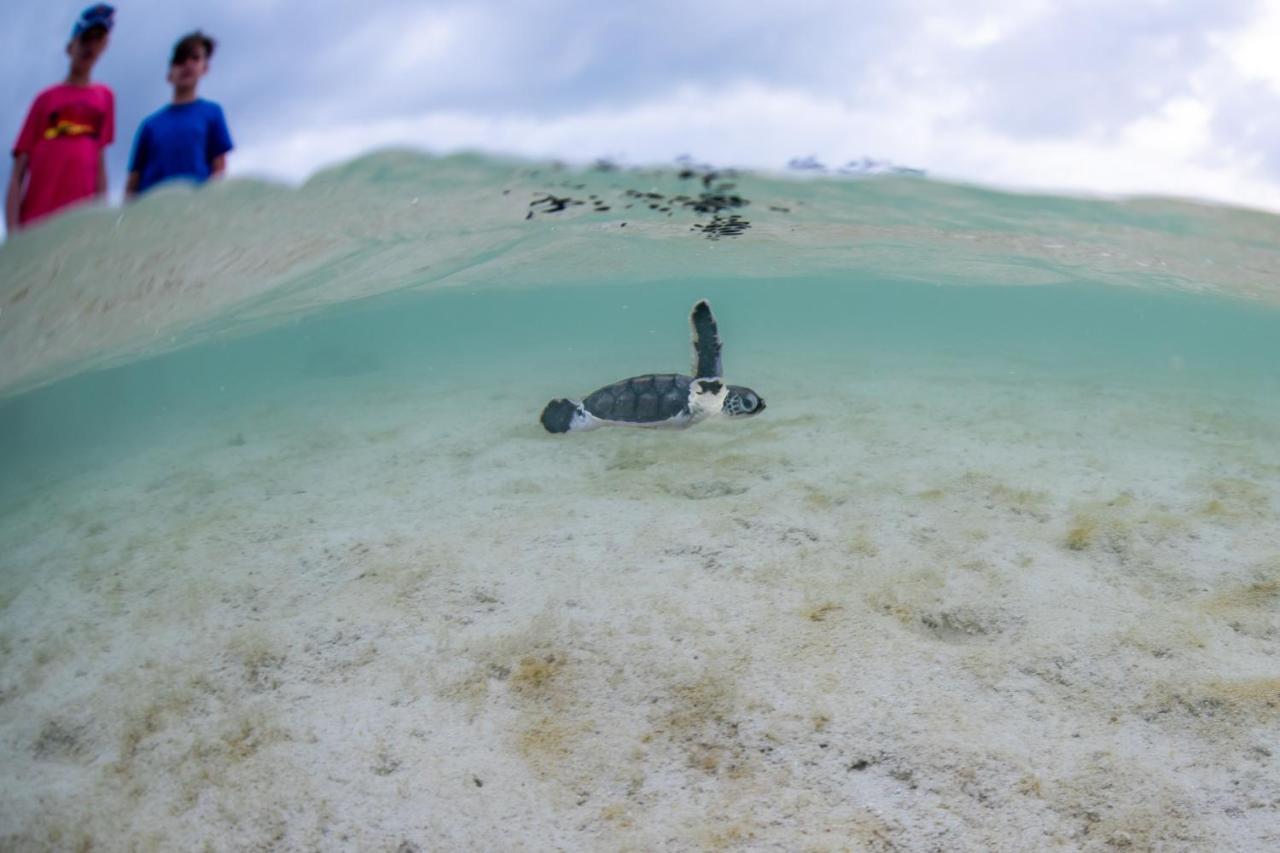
{"x": 1142, "y": 96}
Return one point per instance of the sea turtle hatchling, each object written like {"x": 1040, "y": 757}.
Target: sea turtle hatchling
{"x": 668, "y": 400}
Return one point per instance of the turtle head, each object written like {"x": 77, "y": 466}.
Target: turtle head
{"x": 742, "y": 402}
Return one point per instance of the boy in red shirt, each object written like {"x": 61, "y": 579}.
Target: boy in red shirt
{"x": 59, "y": 158}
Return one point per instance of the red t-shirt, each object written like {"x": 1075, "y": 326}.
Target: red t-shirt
{"x": 65, "y": 132}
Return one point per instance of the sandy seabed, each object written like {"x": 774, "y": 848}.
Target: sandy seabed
{"x": 935, "y": 610}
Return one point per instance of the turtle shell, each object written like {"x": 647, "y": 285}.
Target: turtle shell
{"x": 647, "y": 399}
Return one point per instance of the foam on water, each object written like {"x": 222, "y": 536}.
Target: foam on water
{"x": 997, "y": 568}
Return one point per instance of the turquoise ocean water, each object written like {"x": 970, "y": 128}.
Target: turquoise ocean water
{"x": 363, "y": 360}
{"x": 353, "y": 275}
{"x": 538, "y": 342}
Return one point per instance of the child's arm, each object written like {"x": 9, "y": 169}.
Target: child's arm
{"x": 218, "y": 143}
{"x": 20, "y": 176}
{"x": 108, "y": 137}
{"x": 137, "y": 162}
{"x": 13, "y": 199}
{"x": 101, "y": 189}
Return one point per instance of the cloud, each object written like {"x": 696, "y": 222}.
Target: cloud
{"x": 1086, "y": 95}
{"x": 1244, "y": 91}
{"x": 763, "y": 127}
{"x": 1095, "y": 66}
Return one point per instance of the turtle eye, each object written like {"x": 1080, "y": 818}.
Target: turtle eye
{"x": 751, "y": 402}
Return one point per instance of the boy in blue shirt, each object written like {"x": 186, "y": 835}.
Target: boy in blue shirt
{"x": 189, "y": 137}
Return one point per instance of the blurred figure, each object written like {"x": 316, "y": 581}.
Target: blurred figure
{"x": 59, "y": 158}
{"x": 189, "y": 137}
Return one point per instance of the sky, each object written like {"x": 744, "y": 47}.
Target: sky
{"x": 1080, "y": 96}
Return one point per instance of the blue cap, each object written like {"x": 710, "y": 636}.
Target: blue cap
{"x": 100, "y": 15}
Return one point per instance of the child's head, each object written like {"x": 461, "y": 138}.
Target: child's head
{"x": 89, "y": 37}
{"x": 190, "y": 60}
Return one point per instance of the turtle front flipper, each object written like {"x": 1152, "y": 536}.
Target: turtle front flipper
{"x": 706, "y": 342}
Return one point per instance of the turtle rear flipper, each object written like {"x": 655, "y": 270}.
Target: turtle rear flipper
{"x": 706, "y": 342}
{"x": 558, "y": 416}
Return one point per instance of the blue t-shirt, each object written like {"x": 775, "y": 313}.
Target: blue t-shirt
{"x": 179, "y": 141}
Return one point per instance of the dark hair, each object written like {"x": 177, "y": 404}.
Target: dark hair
{"x": 187, "y": 45}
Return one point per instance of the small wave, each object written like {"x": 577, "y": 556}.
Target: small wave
{"x": 100, "y": 287}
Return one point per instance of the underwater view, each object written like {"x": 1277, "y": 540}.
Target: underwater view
{"x": 289, "y": 561}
